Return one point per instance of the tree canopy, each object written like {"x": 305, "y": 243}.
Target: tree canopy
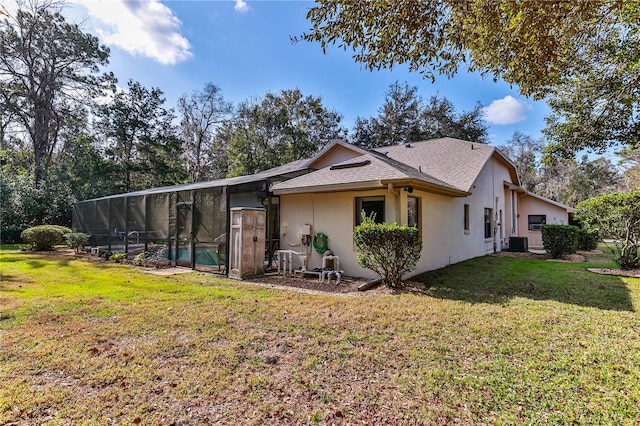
{"x": 48, "y": 70}
{"x": 405, "y": 117}
{"x": 277, "y": 129}
{"x": 202, "y": 113}
{"x": 582, "y": 54}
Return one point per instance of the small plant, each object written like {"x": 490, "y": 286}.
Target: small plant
{"x": 77, "y": 240}
{"x": 158, "y": 259}
{"x": 560, "y": 239}
{"x": 141, "y": 259}
{"x": 118, "y": 257}
{"x": 153, "y": 259}
{"x": 44, "y": 237}
{"x": 390, "y": 251}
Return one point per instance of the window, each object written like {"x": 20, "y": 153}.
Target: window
{"x": 370, "y": 205}
{"x": 536, "y": 221}
{"x": 466, "y": 217}
{"x": 487, "y": 223}
{"x": 413, "y": 211}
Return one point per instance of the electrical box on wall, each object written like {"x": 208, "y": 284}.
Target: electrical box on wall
{"x": 306, "y": 229}
{"x": 283, "y": 229}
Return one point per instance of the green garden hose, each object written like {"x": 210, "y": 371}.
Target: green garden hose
{"x": 320, "y": 243}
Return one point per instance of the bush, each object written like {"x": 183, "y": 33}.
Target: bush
{"x": 44, "y": 237}
{"x": 390, "y": 251}
{"x": 588, "y": 240}
{"x": 140, "y": 259}
{"x": 615, "y": 215}
{"x": 118, "y": 257}
{"x": 77, "y": 240}
{"x": 560, "y": 239}
{"x": 152, "y": 259}
{"x": 11, "y": 235}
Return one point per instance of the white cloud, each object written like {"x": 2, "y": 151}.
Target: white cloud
{"x": 147, "y": 28}
{"x": 241, "y": 6}
{"x": 507, "y": 110}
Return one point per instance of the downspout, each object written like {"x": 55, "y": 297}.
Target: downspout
{"x": 395, "y": 192}
{"x": 269, "y": 230}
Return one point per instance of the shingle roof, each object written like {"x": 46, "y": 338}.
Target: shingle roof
{"x": 450, "y": 160}
{"x": 365, "y": 171}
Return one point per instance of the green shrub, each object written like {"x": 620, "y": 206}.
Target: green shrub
{"x": 118, "y": 257}
{"x": 44, "y": 237}
{"x": 390, "y": 251}
{"x": 560, "y": 239}
{"x": 615, "y": 215}
{"x": 588, "y": 239}
{"x": 77, "y": 240}
{"x": 11, "y": 235}
{"x": 152, "y": 259}
{"x": 140, "y": 259}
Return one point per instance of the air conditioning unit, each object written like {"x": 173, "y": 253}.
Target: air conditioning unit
{"x": 520, "y": 244}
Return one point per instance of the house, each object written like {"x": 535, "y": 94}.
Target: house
{"x": 463, "y": 196}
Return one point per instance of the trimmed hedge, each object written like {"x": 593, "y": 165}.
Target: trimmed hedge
{"x": 44, "y": 237}
{"x": 588, "y": 240}
{"x": 560, "y": 239}
{"x": 390, "y": 251}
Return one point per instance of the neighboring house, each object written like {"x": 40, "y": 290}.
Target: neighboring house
{"x": 536, "y": 211}
{"x": 463, "y": 196}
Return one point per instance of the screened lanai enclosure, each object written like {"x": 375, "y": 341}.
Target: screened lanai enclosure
{"x": 187, "y": 223}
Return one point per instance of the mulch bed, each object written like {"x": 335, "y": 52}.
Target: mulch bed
{"x": 632, "y": 273}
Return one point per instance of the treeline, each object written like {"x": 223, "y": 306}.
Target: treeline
{"x": 69, "y": 132}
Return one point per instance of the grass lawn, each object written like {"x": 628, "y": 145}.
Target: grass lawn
{"x": 495, "y": 340}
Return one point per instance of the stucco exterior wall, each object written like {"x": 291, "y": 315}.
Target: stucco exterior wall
{"x": 530, "y": 205}
{"x": 334, "y": 215}
{"x": 444, "y": 239}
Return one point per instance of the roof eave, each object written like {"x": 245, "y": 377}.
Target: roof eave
{"x": 342, "y": 187}
{"x": 427, "y": 187}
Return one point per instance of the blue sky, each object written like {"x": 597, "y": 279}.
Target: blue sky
{"x": 245, "y": 48}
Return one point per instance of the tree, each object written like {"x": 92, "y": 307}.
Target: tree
{"x": 440, "y": 119}
{"x": 524, "y": 151}
{"x": 405, "y": 117}
{"x": 631, "y": 163}
{"x": 48, "y": 68}
{"x": 583, "y": 54}
{"x": 277, "y": 129}
{"x": 615, "y": 215}
{"x": 399, "y": 116}
{"x": 596, "y": 103}
{"x": 141, "y": 139}
{"x": 202, "y": 112}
